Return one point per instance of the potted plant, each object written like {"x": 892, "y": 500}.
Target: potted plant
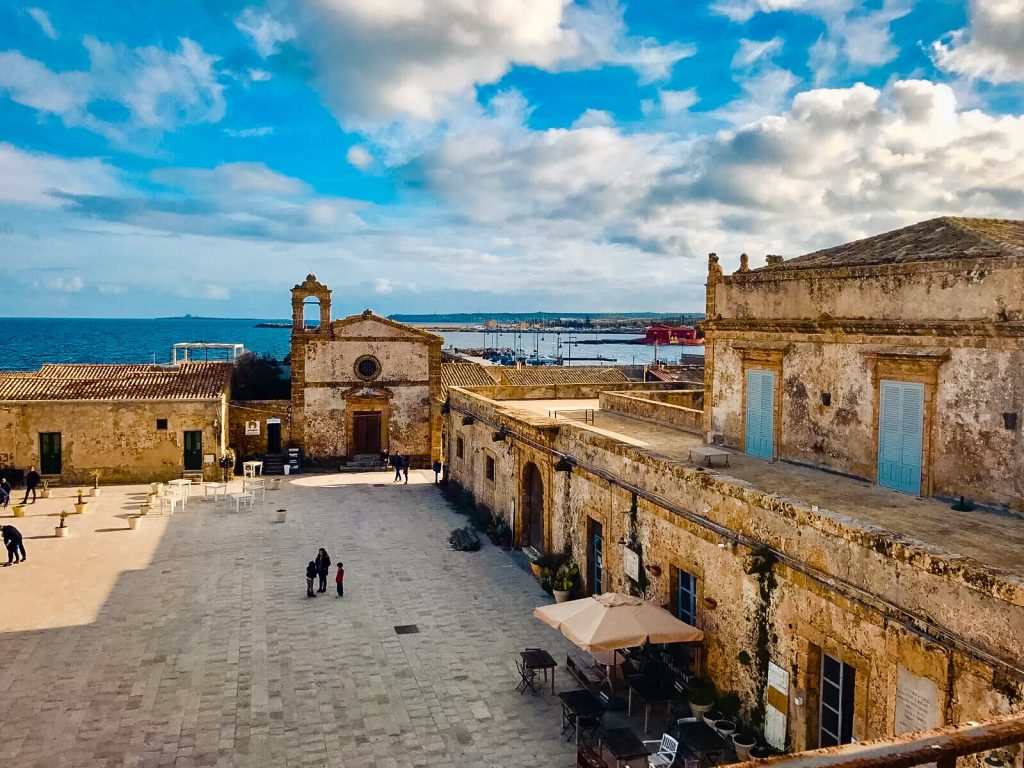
{"x": 45, "y": 493}
{"x": 761, "y": 752}
{"x": 743, "y": 741}
{"x": 702, "y": 697}
{"x": 227, "y": 463}
{"x": 728, "y": 708}
{"x": 62, "y": 531}
{"x": 564, "y": 582}
{"x": 18, "y": 509}
{"x": 281, "y": 515}
{"x": 275, "y": 483}
{"x": 81, "y": 506}
{"x": 134, "y": 521}
{"x": 95, "y": 490}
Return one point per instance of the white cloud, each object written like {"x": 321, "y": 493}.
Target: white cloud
{"x": 765, "y": 87}
{"x": 744, "y": 10}
{"x": 751, "y": 52}
{"x": 418, "y": 61}
{"x": 383, "y": 286}
{"x": 674, "y": 102}
{"x": 359, "y": 157}
{"x": 63, "y": 284}
{"x": 250, "y": 133}
{"x": 266, "y": 32}
{"x": 258, "y": 75}
{"x": 991, "y": 47}
{"x": 159, "y": 89}
{"x": 42, "y": 18}
{"x": 31, "y": 178}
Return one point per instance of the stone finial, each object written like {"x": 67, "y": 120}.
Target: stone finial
{"x": 311, "y": 278}
{"x": 744, "y": 264}
{"x": 367, "y": 313}
{"x": 772, "y": 260}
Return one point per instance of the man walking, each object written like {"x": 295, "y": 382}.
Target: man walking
{"x": 5, "y": 491}
{"x": 437, "y": 471}
{"x": 13, "y": 542}
{"x": 396, "y": 462}
{"x": 405, "y": 467}
{"x": 31, "y": 481}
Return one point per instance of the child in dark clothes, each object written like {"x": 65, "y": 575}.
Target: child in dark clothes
{"x": 310, "y": 577}
{"x": 340, "y": 580}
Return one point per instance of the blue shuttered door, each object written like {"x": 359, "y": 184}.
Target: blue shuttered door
{"x": 760, "y": 413}
{"x": 900, "y": 436}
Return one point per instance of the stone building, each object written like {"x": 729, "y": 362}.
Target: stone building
{"x": 132, "y": 423}
{"x": 898, "y": 359}
{"x": 363, "y": 384}
{"x": 838, "y": 609}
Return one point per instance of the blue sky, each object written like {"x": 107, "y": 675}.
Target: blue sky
{"x": 465, "y": 155}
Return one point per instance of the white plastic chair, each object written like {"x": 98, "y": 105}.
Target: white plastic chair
{"x": 666, "y": 753}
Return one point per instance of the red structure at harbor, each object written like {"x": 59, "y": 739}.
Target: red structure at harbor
{"x": 672, "y": 334}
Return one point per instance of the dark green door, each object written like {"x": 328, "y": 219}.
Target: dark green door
{"x": 49, "y": 453}
{"x": 193, "y": 450}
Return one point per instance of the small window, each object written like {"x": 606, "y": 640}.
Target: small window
{"x": 367, "y": 367}
{"x": 489, "y": 468}
{"x": 458, "y": 447}
{"x": 684, "y": 596}
{"x": 161, "y": 423}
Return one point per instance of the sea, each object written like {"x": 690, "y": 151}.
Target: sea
{"x": 27, "y": 343}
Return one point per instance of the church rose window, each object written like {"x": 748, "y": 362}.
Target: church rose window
{"x": 367, "y": 367}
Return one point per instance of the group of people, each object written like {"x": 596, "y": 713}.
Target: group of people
{"x": 318, "y": 569}
{"x": 400, "y": 463}
{"x": 32, "y": 480}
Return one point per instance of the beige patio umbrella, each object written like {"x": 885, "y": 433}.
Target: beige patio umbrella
{"x": 612, "y": 621}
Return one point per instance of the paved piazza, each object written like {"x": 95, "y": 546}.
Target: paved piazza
{"x": 190, "y": 641}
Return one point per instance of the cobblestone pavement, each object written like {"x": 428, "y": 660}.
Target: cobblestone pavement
{"x": 208, "y": 653}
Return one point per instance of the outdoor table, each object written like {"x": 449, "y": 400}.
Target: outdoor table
{"x": 217, "y": 488}
{"x": 252, "y": 468}
{"x": 650, "y": 691}
{"x": 575, "y": 705}
{"x": 170, "y": 501}
{"x": 701, "y": 739}
{"x": 622, "y": 744}
{"x": 242, "y": 498}
{"x": 538, "y": 658}
{"x": 255, "y": 486}
{"x": 706, "y": 453}
{"x": 181, "y": 486}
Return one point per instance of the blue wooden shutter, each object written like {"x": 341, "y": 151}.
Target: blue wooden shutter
{"x": 900, "y": 435}
{"x": 760, "y": 415}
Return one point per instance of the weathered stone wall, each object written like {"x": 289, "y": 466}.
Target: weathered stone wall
{"x": 575, "y": 391}
{"x": 972, "y": 453}
{"x": 241, "y": 411}
{"x": 907, "y": 293}
{"x": 118, "y": 438}
{"x": 853, "y": 591}
{"x": 639, "y": 405}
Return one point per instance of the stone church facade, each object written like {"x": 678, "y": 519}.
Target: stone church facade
{"x": 362, "y": 384}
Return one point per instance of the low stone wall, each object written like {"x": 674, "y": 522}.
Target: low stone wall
{"x": 575, "y": 391}
{"x": 643, "y": 405}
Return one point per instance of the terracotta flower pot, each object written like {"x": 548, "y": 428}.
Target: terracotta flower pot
{"x": 82, "y": 508}
{"x": 134, "y": 521}
{"x": 561, "y": 595}
{"x": 61, "y": 532}
{"x": 19, "y": 510}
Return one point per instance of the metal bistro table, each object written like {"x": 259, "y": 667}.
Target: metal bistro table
{"x": 538, "y": 658}
{"x": 577, "y": 705}
{"x": 702, "y": 740}
{"x": 650, "y": 691}
{"x": 622, "y": 744}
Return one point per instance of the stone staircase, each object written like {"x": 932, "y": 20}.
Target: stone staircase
{"x": 273, "y": 464}
{"x": 362, "y": 462}
{"x": 196, "y": 476}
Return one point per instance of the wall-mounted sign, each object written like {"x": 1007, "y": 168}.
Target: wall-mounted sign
{"x": 631, "y": 563}
{"x": 252, "y": 427}
{"x": 209, "y": 458}
{"x": 273, "y": 421}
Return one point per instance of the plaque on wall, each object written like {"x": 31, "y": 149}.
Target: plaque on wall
{"x": 917, "y": 702}
{"x": 252, "y": 427}
{"x": 631, "y": 563}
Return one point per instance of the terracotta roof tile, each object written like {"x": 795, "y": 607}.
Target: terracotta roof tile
{"x": 582, "y": 374}
{"x": 947, "y": 237}
{"x": 464, "y": 375}
{"x": 189, "y": 381}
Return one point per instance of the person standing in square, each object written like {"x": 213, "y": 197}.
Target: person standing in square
{"x": 340, "y": 580}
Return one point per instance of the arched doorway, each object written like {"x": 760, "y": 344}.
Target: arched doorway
{"x": 533, "y": 507}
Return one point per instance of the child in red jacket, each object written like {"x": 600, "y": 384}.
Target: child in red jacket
{"x": 340, "y": 580}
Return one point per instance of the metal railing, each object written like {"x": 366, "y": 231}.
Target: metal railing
{"x": 586, "y": 415}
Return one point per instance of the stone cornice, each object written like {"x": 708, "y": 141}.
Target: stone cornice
{"x": 723, "y": 327}
{"x": 783, "y": 272}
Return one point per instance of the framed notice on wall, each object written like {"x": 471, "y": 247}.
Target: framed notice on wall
{"x": 252, "y": 427}
{"x": 631, "y": 563}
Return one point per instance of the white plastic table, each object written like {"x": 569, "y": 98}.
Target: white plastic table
{"x": 219, "y": 489}
{"x": 255, "y": 486}
{"x": 242, "y": 498}
{"x": 171, "y": 501}
{"x": 252, "y": 468}
{"x": 181, "y": 485}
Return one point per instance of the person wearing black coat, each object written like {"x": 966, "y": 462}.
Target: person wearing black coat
{"x": 31, "y": 482}
{"x": 14, "y": 544}
{"x": 310, "y": 576}
{"x": 396, "y": 462}
{"x": 323, "y": 564}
